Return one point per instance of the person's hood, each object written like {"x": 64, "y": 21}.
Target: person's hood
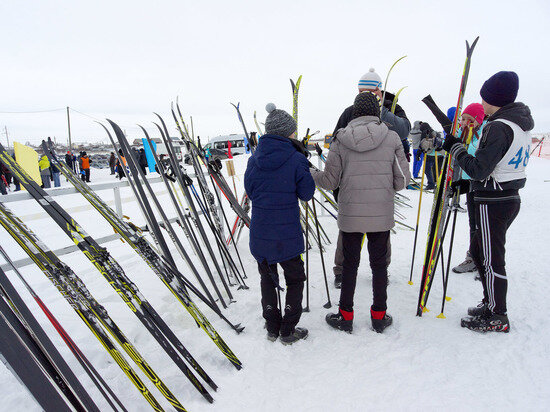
{"x": 363, "y": 134}
{"x": 273, "y": 151}
{"x": 416, "y": 127}
{"x": 517, "y": 113}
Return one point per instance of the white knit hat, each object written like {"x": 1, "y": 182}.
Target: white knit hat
{"x": 370, "y": 80}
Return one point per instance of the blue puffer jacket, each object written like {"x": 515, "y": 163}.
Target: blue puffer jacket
{"x": 277, "y": 175}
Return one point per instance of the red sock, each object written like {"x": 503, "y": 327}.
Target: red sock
{"x": 377, "y": 314}
{"x": 346, "y": 315}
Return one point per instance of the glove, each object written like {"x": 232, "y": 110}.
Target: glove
{"x": 462, "y": 186}
{"x": 408, "y": 155}
{"x": 450, "y": 140}
{"x": 318, "y": 149}
{"x": 425, "y": 130}
{"x": 418, "y": 155}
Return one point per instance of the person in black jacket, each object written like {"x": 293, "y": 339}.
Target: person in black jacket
{"x": 397, "y": 122}
{"x": 142, "y": 161}
{"x": 112, "y": 162}
{"x": 69, "y": 160}
{"x": 497, "y": 173}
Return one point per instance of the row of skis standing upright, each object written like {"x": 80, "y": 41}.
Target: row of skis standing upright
{"x": 210, "y": 277}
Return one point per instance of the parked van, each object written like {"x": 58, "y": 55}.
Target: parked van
{"x": 220, "y": 143}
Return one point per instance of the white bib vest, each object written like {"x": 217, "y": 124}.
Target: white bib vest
{"x": 512, "y": 165}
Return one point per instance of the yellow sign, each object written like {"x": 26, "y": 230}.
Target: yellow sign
{"x": 28, "y": 159}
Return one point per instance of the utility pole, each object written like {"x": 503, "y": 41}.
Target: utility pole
{"x": 69, "y": 127}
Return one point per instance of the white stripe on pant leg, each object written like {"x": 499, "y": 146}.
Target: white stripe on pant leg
{"x": 484, "y": 242}
{"x": 488, "y": 265}
{"x": 486, "y": 239}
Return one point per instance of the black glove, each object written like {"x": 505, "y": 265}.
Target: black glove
{"x": 462, "y": 186}
{"x": 450, "y": 140}
{"x": 408, "y": 156}
{"x": 418, "y": 155}
{"x": 425, "y": 130}
{"x": 318, "y": 149}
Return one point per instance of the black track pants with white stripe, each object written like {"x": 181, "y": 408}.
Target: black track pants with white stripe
{"x": 488, "y": 249}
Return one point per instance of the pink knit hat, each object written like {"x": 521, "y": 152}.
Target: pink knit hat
{"x": 476, "y": 111}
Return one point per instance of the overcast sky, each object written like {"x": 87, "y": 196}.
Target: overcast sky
{"x": 126, "y": 59}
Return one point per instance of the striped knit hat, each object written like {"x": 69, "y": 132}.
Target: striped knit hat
{"x": 370, "y": 81}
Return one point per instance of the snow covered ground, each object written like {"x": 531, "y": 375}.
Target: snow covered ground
{"x": 417, "y": 364}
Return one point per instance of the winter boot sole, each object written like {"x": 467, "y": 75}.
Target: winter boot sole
{"x": 467, "y": 323}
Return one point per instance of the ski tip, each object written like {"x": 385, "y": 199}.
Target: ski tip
{"x": 410, "y": 282}
{"x": 448, "y": 298}
{"x": 441, "y": 316}
{"x": 425, "y": 309}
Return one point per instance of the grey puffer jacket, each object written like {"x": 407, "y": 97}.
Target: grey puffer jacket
{"x": 368, "y": 163}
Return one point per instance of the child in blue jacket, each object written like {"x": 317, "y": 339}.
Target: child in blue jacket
{"x": 277, "y": 175}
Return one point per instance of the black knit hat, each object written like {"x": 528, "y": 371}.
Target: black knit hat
{"x": 500, "y": 89}
{"x": 366, "y": 104}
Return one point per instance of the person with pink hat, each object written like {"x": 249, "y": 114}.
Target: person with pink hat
{"x": 473, "y": 116}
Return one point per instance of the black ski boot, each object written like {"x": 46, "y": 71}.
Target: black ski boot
{"x": 272, "y": 337}
{"x": 298, "y": 334}
{"x": 491, "y": 322}
{"x": 380, "y": 320}
{"x": 479, "y": 310}
{"x": 337, "y": 321}
{"x": 338, "y": 281}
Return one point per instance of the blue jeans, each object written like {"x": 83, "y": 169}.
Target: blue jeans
{"x": 417, "y": 164}
{"x": 56, "y": 181}
{"x": 430, "y": 166}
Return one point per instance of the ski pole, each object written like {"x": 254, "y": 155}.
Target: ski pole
{"x": 328, "y": 304}
{"x": 538, "y": 144}
{"x": 324, "y": 207}
{"x": 446, "y": 277}
{"x": 418, "y": 217}
{"x": 306, "y": 309}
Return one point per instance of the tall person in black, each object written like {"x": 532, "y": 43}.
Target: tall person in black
{"x": 498, "y": 172}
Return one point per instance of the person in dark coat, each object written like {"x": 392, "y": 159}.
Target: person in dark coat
{"x": 276, "y": 177}
{"x": 3, "y": 182}
{"x": 112, "y": 162}
{"x": 142, "y": 160}
{"x": 497, "y": 174}
{"x": 69, "y": 160}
